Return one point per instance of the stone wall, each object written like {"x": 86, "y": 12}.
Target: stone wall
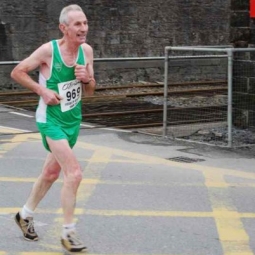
{"x": 243, "y": 36}
{"x": 240, "y": 23}
{"x": 130, "y": 28}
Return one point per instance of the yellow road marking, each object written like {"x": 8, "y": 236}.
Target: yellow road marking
{"x": 153, "y": 160}
{"x": 16, "y": 179}
{"x": 233, "y": 237}
{"x": 86, "y": 181}
{"x": 21, "y": 179}
{"x": 140, "y": 158}
{"x": 93, "y": 169}
{"x": 42, "y": 253}
{"x": 87, "y": 253}
{"x": 14, "y": 142}
{"x": 136, "y": 213}
{"x": 140, "y": 213}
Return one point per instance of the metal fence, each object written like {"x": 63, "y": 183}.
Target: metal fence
{"x": 208, "y": 112}
{"x": 107, "y": 71}
{"x": 210, "y": 115}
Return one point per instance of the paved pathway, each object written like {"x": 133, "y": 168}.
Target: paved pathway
{"x": 133, "y": 200}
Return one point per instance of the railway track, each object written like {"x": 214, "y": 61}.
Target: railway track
{"x": 125, "y": 107}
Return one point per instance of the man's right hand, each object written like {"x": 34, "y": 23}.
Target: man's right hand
{"x": 50, "y": 97}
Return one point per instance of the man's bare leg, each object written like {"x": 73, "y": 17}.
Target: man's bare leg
{"x": 72, "y": 176}
{"x": 49, "y": 175}
{"x": 24, "y": 218}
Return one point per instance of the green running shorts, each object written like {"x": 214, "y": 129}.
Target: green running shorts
{"x": 55, "y": 132}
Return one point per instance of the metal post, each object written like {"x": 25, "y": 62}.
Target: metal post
{"x": 230, "y": 89}
{"x": 165, "y": 94}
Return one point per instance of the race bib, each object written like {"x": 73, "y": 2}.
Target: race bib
{"x": 70, "y": 91}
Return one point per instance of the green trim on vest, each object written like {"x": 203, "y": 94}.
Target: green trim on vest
{"x": 60, "y": 72}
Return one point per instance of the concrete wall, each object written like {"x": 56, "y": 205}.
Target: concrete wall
{"x": 130, "y": 28}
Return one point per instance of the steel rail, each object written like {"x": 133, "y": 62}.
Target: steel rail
{"x": 150, "y": 85}
{"x": 171, "y": 93}
{"x": 175, "y": 123}
{"x": 172, "y": 109}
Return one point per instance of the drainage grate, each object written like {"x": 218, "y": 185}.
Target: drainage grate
{"x": 186, "y": 159}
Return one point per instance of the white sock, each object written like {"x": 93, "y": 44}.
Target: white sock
{"x": 67, "y": 228}
{"x": 26, "y": 212}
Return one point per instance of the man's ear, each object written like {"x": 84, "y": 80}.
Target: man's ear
{"x": 62, "y": 27}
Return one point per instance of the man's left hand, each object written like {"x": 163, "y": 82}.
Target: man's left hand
{"x": 81, "y": 73}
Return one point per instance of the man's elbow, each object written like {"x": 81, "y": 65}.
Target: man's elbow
{"x": 14, "y": 74}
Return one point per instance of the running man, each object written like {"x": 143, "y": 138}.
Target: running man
{"x": 65, "y": 70}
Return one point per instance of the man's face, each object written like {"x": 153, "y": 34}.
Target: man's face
{"x": 77, "y": 28}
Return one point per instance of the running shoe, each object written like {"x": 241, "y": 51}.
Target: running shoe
{"x": 27, "y": 227}
{"x": 72, "y": 243}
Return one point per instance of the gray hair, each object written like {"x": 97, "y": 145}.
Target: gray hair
{"x": 63, "y": 18}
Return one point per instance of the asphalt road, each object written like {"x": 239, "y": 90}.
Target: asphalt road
{"x": 134, "y": 198}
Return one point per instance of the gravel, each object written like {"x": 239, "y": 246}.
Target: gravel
{"x": 213, "y": 135}
{"x": 219, "y": 136}
{"x": 189, "y": 101}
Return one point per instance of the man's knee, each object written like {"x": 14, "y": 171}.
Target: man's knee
{"x": 74, "y": 177}
{"x": 51, "y": 175}
{"x": 78, "y": 176}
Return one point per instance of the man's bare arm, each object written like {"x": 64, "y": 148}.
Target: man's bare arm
{"x": 89, "y": 87}
{"x": 21, "y": 74}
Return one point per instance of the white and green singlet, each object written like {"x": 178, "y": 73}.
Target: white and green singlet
{"x": 61, "y": 121}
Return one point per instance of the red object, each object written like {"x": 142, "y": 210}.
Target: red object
{"x": 252, "y": 8}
